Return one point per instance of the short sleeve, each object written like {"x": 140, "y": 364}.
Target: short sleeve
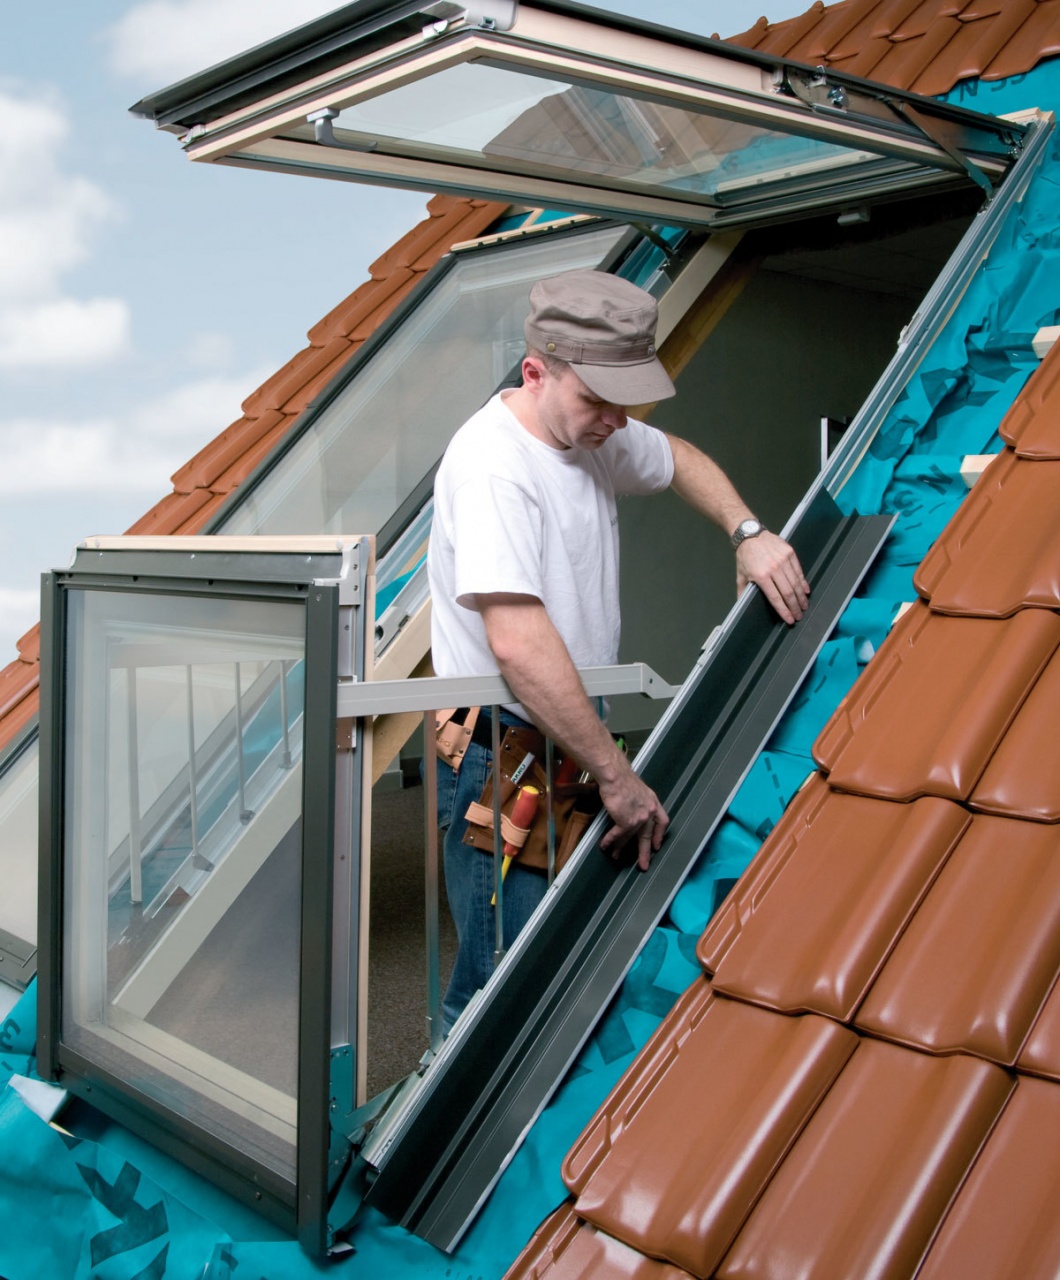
{"x": 640, "y": 459}
{"x": 498, "y": 539}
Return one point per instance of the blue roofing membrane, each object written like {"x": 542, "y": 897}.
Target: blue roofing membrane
{"x": 103, "y": 1204}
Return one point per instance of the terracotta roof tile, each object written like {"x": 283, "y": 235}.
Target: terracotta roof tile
{"x": 28, "y": 646}
{"x": 975, "y": 568}
{"x": 222, "y": 451}
{"x": 1004, "y": 1221}
{"x": 197, "y": 521}
{"x": 171, "y": 513}
{"x": 1042, "y": 1054}
{"x": 779, "y": 940}
{"x": 1021, "y": 779}
{"x": 245, "y": 464}
{"x": 361, "y": 306}
{"x": 672, "y": 1168}
{"x": 977, "y": 961}
{"x": 565, "y": 1248}
{"x": 871, "y": 1176}
{"x": 1032, "y": 424}
{"x": 1038, "y": 38}
{"x": 18, "y": 684}
{"x": 927, "y": 715}
{"x": 974, "y": 46}
{"x": 925, "y": 45}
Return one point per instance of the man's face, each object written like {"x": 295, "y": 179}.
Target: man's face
{"x": 571, "y": 415}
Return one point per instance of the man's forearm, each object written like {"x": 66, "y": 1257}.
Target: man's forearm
{"x": 535, "y": 662}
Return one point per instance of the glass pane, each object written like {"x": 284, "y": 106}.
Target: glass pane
{"x": 495, "y": 116}
{"x": 366, "y": 452}
{"x": 182, "y": 856}
{"x": 18, "y": 847}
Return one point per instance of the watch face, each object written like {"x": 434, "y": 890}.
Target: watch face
{"x": 747, "y": 527}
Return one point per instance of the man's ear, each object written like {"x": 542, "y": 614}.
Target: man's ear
{"x": 534, "y": 373}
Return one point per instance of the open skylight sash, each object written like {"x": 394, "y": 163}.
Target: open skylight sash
{"x": 560, "y": 109}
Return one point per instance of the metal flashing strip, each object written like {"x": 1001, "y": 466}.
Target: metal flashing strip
{"x": 437, "y": 1160}
{"x": 18, "y": 961}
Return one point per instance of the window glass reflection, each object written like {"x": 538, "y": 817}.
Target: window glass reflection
{"x": 182, "y": 856}
{"x": 366, "y": 451}
{"x": 490, "y": 114}
{"x": 18, "y": 847}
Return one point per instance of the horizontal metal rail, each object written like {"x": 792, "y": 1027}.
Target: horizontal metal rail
{"x": 431, "y": 693}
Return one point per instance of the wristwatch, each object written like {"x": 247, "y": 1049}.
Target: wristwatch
{"x": 750, "y": 528}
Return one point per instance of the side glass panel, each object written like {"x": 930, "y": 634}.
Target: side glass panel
{"x": 490, "y": 114}
{"x": 366, "y": 451}
{"x": 18, "y": 847}
{"x": 182, "y": 856}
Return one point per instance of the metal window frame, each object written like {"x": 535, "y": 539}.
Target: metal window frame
{"x": 314, "y": 578}
{"x": 582, "y": 46}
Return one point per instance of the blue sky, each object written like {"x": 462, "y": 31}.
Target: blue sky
{"x": 143, "y": 298}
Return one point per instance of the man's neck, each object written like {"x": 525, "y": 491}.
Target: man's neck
{"x": 523, "y": 408}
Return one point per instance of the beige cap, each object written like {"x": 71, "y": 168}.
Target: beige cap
{"x": 604, "y": 327}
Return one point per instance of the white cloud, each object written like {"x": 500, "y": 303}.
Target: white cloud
{"x": 47, "y": 220}
{"x": 66, "y": 332}
{"x": 135, "y": 452}
{"x": 161, "y": 41}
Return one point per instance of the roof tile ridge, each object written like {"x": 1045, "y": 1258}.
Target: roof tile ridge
{"x": 780, "y": 37}
{"x": 977, "y": 44}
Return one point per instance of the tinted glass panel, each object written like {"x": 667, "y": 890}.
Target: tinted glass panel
{"x": 364, "y": 453}
{"x": 182, "y": 856}
{"x": 18, "y": 847}
{"x": 496, "y": 116}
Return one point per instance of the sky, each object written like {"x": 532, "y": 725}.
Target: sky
{"x": 142, "y": 297}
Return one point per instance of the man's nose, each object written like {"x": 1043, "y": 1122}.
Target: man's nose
{"x": 615, "y": 416}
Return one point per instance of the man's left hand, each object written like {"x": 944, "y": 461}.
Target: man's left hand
{"x": 772, "y": 565}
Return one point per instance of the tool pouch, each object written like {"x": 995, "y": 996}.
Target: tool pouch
{"x": 573, "y": 806}
{"x": 450, "y": 737}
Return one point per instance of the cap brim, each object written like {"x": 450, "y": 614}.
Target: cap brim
{"x": 627, "y": 384}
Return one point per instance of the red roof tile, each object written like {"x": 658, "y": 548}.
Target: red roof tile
{"x": 977, "y": 961}
{"x": 673, "y": 1169}
{"x": 927, "y": 715}
{"x": 1004, "y": 1221}
{"x": 1042, "y": 1054}
{"x": 924, "y": 45}
{"x": 566, "y": 1248}
{"x": 780, "y": 941}
{"x": 975, "y": 568}
{"x": 1022, "y": 780}
{"x": 866, "y": 1185}
{"x": 1032, "y": 424}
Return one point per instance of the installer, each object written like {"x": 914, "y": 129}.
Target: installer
{"x": 523, "y": 566}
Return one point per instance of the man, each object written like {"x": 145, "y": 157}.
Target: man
{"x": 523, "y": 567}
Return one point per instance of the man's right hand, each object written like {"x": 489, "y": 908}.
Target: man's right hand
{"x": 635, "y": 810}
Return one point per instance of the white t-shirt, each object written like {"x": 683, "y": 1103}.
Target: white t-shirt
{"x": 513, "y": 514}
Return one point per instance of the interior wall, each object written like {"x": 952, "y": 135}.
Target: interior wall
{"x": 788, "y": 351}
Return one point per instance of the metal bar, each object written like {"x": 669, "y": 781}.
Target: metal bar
{"x": 498, "y": 841}
{"x": 192, "y": 780}
{"x": 505, "y": 1059}
{"x": 435, "y": 1033}
{"x": 136, "y": 889}
{"x": 284, "y": 715}
{"x": 431, "y": 693}
{"x": 550, "y": 821}
{"x": 245, "y": 814}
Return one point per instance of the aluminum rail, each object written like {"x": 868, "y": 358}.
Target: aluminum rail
{"x": 431, "y": 693}
{"x": 438, "y": 1157}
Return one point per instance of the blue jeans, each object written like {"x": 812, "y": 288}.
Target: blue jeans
{"x": 469, "y": 882}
